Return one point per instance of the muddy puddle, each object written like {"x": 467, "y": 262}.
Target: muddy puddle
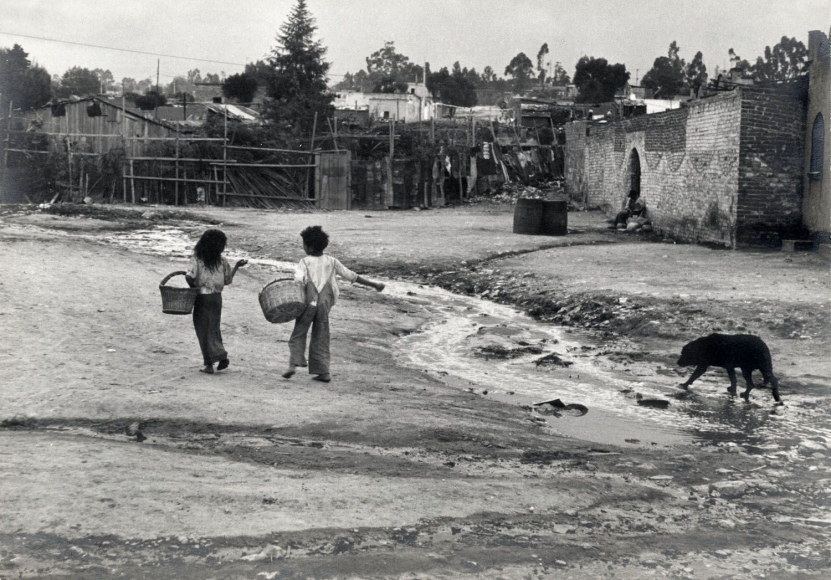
{"x": 497, "y": 352}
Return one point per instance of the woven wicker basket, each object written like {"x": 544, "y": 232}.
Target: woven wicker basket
{"x": 177, "y": 300}
{"x": 282, "y": 300}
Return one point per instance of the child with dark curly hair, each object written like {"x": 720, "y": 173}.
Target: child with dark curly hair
{"x": 210, "y": 272}
{"x": 317, "y": 273}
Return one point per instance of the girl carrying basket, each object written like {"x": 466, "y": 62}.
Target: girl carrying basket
{"x": 210, "y": 272}
{"x": 316, "y": 272}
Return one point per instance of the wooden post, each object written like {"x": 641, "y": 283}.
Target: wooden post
{"x": 311, "y": 150}
{"x": 124, "y": 180}
{"x": 390, "y": 172}
{"x": 461, "y": 171}
{"x": 133, "y": 181}
{"x": 176, "y": 186}
{"x": 225, "y": 158}
{"x": 333, "y": 134}
{"x": 6, "y": 154}
{"x": 185, "y": 177}
{"x": 216, "y": 186}
{"x": 433, "y": 127}
{"x": 69, "y": 163}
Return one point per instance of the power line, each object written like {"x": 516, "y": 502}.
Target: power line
{"x": 157, "y": 54}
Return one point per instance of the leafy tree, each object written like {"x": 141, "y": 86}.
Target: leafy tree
{"x": 452, "y": 89}
{"x": 105, "y": 79}
{"x": 360, "y": 80}
{"x": 520, "y": 68}
{"x": 738, "y": 62}
{"x": 241, "y": 87}
{"x": 597, "y": 81}
{"x": 388, "y": 63}
{"x": 150, "y": 101}
{"x": 389, "y": 85}
{"x": 667, "y": 76}
{"x": 784, "y": 61}
{"x": 560, "y": 77}
{"x": 296, "y": 85}
{"x": 541, "y": 62}
{"x": 27, "y": 85}
{"x": 488, "y": 75}
{"x": 695, "y": 73}
{"x": 79, "y": 81}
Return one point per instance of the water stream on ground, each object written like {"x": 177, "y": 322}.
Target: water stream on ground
{"x": 494, "y": 350}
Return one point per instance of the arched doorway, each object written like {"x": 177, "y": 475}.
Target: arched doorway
{"x": 634, "y": 172}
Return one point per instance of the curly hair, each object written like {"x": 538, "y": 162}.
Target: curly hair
{"x": 315, "y": 238}
{"x": 209, "y": 248}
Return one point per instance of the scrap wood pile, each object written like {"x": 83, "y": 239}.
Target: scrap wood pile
{"x": 510, "y": 192}
{"x": 265, "y": 188}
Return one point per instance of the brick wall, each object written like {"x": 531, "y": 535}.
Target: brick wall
{"x": 816, "y": 203}
{"x": 688, "y": 160}
{"x": 771, "y": 163}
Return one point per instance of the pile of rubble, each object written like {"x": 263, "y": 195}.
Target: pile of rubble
{"x": 509, "y": 193}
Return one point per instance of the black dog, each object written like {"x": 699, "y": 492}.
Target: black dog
{"x": 729, "y": 351}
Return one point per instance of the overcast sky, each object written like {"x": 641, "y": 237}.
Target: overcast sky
{"x": 475, "y": 32}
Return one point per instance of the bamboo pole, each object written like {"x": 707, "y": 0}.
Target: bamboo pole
{"x": 6, "y": 153}
{"x": 113, "y": 136}
{"x": 69, "y": 164}
{"x": 217, "y": 181}
{"x": 124, "y": 180}
{"x": 311, "y": 148}
{"x": 176, "y": 190}
{"x": 271, "y": 165}
{"x": 332, "y": 133}
{"x": 225, "y": 158}
{"x": 270, "y": 149}
{"x": 133, "y": 180}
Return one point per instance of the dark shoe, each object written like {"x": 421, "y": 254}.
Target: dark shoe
{"x": 324, "y": 378}
{"x": 207, "y": 369}
{"x": 289, "y": 373}
{"x": 223, "y": 364}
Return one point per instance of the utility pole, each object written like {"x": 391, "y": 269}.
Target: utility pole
{"x": 158, "y": 90}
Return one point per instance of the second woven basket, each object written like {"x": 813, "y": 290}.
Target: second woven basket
{"x": 282, "y": 300}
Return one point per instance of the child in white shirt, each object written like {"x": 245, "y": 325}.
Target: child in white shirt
{"x": 317, "y": 273}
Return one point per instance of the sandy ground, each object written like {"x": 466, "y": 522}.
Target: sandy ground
{"x": 422, "y": 458}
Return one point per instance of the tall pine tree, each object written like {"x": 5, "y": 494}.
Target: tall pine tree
{"x": 296, "y": 85}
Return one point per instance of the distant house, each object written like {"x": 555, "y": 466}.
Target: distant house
{"x": 411, "y": 107}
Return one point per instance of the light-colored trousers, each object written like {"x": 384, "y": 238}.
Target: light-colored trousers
{"x": 315, "y": 316}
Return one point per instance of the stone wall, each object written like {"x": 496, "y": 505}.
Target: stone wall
{"x": 725, "y": 169}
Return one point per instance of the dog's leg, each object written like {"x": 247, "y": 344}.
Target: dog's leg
{"x": 774, "y": 383}
{"x": 748, "y": 378}
{"x": 699, "y": 370}
{"x": 731, "y": 372}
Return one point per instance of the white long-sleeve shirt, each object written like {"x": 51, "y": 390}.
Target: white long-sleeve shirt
{"x": 322, "y": 269}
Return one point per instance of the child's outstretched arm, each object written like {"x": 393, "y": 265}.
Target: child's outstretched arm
{"x": 379, "y": 286}
{"x": 229, "y": 275}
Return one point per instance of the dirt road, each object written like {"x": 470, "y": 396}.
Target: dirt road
{"x": 422, "y": 458}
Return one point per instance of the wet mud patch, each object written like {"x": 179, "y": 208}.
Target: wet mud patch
{"x": 499, "y": 352}
{"x": 553, "y": 360}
